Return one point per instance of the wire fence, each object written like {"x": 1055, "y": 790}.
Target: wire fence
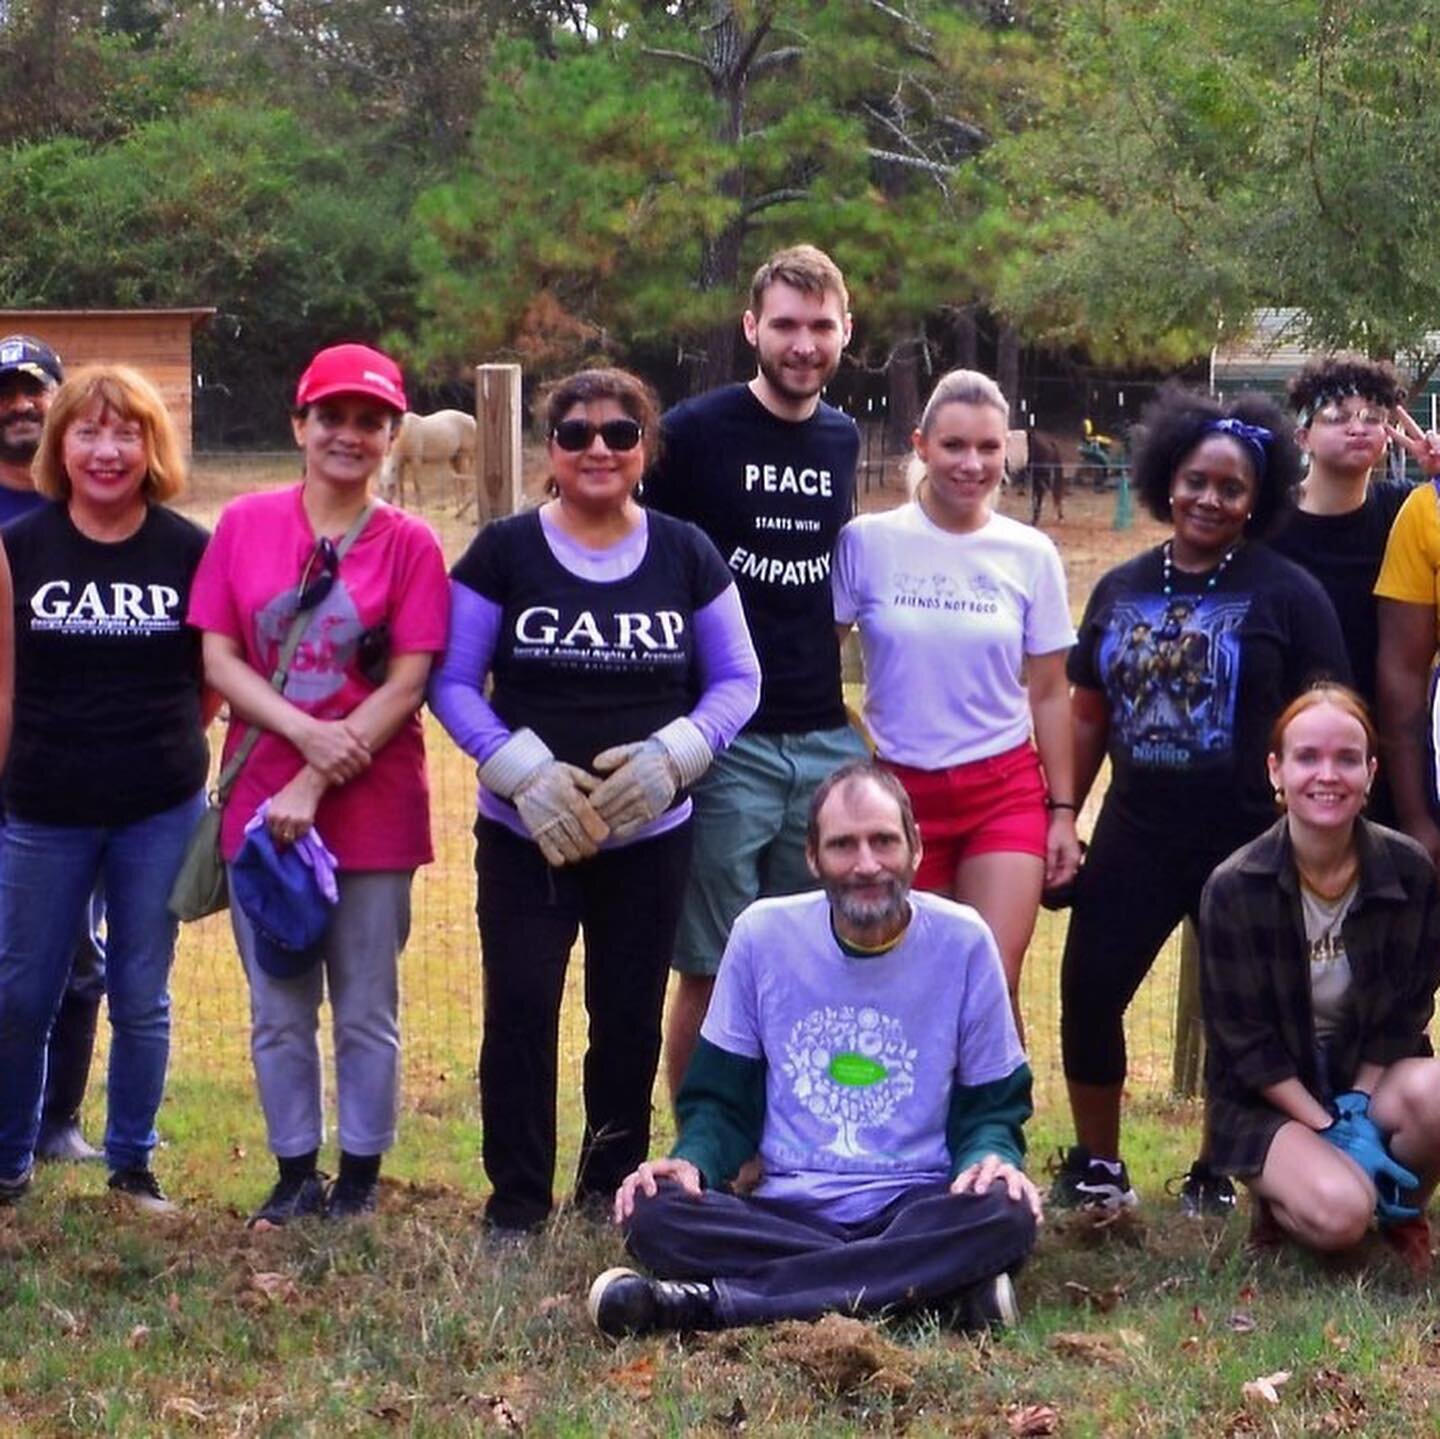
{"x": 440, "y": 970}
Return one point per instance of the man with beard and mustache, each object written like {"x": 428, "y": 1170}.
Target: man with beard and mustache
{"x": 30, "y": 372}
{"x": 767, "y": 470}
{"x": 861, "y": 1040}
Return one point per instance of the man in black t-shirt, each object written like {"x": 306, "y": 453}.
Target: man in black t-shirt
{"x": 1343, "y": 406}
{"x": 767, "y": 470}
{"x": 30, "y": 373}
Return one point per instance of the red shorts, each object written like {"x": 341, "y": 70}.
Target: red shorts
{"x": 985, "y": 807}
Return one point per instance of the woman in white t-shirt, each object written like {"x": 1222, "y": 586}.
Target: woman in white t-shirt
{"x": 965, "y": 625}
{"x": 1319, "y": 959}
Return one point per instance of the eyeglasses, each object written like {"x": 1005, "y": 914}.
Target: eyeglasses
{"x": 313, "y": 586}
{"x": 1336, "y": 414}
{"x": 578, "y": 435}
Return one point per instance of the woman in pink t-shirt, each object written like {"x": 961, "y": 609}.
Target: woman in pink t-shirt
{"x": 341, "y": 752}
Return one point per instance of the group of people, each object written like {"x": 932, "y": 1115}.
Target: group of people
{"x": 646, "y": 668}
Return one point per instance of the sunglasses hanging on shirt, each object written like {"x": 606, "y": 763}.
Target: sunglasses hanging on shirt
{"x": 577, "y": 435}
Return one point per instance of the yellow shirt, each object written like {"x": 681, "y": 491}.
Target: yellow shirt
{"x": 1410, "y": 570}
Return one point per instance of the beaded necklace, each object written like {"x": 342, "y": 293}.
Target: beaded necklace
{"x": 1167, "y": 569}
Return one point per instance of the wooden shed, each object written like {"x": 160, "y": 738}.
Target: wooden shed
{"x": 159, "y": 342}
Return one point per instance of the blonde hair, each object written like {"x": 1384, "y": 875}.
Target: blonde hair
{"x": 957, "y": 387}
{"x": 123, "y": 391}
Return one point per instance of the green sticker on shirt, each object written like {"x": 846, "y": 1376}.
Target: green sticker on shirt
{"x": 856, "y": 1071}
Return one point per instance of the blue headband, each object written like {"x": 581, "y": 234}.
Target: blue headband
{"x": 1254, "y": 438}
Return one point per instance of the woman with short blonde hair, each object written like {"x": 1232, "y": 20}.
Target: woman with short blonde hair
{"x": 108, "y": 761}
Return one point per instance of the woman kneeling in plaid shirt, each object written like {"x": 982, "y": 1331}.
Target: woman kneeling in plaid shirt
{"x": 1320, "y": 956}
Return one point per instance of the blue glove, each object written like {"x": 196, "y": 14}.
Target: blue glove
{"x": 1353, "y": 1132}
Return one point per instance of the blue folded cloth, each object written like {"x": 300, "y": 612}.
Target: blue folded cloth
{"x": 285, "y": 897}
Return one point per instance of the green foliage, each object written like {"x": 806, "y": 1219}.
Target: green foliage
{"x": 1195, "y": 162}
{"x": 623, "y": 178}
{"x": 294, "y": 240}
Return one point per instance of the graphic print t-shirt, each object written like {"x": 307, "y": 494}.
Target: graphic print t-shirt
{"x": 946, "y": 621}
{"x": 1194, "y": 680}
{"x": 860, "y": 1054}
{"x": 588, "y": 664}
{"x": 107, "y": 674}
{"x": 772, "y": 495}
{"x": 393, "y": 574}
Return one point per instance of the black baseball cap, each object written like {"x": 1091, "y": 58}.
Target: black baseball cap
{"x": 25, "y": 355}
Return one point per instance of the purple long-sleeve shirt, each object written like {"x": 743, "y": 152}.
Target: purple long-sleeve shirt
{"x": 729, "y": 672}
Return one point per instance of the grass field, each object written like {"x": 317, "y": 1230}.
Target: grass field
{"x": 114, "y": 1324}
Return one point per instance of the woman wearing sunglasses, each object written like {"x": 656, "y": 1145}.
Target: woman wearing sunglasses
{"x": 620, "y": 665}
{"x": 340, "y": 751}
{"x": 108, "y": 761}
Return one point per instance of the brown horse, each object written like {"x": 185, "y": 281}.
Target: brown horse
{"x": 1033, "y": 459}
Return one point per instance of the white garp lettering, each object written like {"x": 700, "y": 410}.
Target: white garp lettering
{"x": 51, "y": 601}
{"x": 163, "y": 600}
{"x": 585, "y": 629}
{"x": 530, "y": 633}
{"x": 89, "y": 606}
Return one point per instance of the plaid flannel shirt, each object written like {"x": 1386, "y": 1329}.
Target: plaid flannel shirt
{"x": 1255, "y": 980}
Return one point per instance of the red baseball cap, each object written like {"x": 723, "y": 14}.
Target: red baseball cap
{"x": 352, "y": 370}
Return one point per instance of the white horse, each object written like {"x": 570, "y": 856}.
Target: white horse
{"x": 447, "y": 437}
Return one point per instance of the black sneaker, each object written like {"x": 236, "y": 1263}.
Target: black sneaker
{"x": 623, "y": 1302}
{"x": 296, "y": 1197}
{"x": 351, "y": 1198}
{"x": 143, "y": 1190}
{"x": 1202, "y": 1194}
{"x": 12, "y": 1191}
{"x": 66, "y": 1144}
{"x": 991, "y": 1304}
{"x": 1084, "y": 1183}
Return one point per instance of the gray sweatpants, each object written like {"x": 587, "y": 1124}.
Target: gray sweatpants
{"x": 368, "y": 929}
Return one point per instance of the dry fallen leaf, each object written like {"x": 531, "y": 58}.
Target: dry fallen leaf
{"x": 1334, "y": 1337}
{"x": 1266, "y": 1389}
{"x": 736, "y": 1419}
{"x": 499, "y": 1412}
{"x": 636, "y": 1378}
{"x": 1101, "y": 1301}
{"x": 237, "y": 1152}
{"x": 67, "y": 1321}
{"x": 1088, "y": 1348}
{"x": 172, "y": 1302}
{"x": 183, "y": 1405}
{"x": 1029, "y": 1420}
{"x": 278, "y": 1287}
{"x": 138, "y": 1335}
{"x": 1241, "y": 1322}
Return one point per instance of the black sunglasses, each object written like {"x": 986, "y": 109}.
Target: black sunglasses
{"x": 578, "y": 435}
{"x": 313, "y": 587}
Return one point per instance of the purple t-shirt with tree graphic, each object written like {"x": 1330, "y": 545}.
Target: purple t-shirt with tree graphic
{"x": 861, "y": 1054}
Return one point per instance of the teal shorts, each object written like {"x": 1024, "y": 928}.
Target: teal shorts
{"x": 749, "y": 832}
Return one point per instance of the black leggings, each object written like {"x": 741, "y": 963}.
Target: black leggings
{"x": 627, "y": 901}
{"x": 1134, "y": 888}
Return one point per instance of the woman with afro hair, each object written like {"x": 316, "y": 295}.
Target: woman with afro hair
{"x": 1186, "y": 655}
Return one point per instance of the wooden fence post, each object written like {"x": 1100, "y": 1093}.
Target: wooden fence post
{"x": 1189, "y": 1062}
{"x": 499, "y": 467}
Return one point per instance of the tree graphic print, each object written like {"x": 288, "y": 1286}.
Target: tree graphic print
{"x": 849, "y": 1067}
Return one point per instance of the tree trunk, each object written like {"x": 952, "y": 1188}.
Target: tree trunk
{"x": 967, "y": 339}
{"x": 902, "y": 385}
{"x": 1007, "y": 365}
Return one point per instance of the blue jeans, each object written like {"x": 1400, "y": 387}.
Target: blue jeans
{"x": 47, "y": 873}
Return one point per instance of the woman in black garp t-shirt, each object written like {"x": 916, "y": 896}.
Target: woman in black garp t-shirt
{"x": 107, "y": 764}
{"x": 620, "y": 664}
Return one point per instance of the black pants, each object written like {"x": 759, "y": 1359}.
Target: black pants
{"x": 1134, "y": 888}
{"x": 770, "y": 1262}
{"x": 72, "y": 1036}
{"x": 627, "y": 902}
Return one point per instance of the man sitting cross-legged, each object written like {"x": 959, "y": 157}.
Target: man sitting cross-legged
{"x": 861, "y": 1041}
